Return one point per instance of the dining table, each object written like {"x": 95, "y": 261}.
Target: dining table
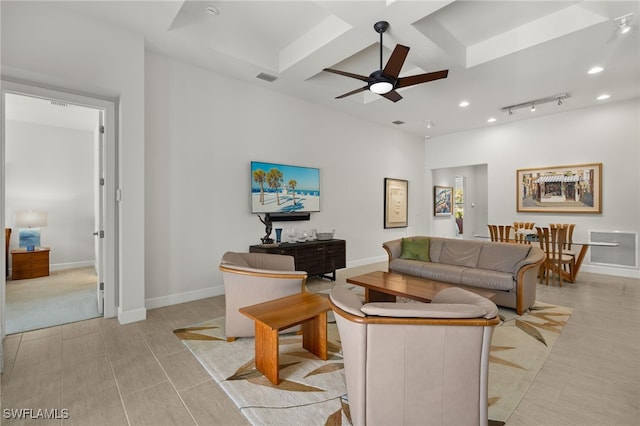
{"x": 570, "y": 275}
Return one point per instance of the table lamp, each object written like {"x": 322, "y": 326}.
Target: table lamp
{"x": 30, "y": 223}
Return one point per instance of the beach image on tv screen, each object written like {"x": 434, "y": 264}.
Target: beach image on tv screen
{"x": 279, "y": 188}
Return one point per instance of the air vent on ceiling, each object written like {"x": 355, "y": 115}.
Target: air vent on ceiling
{"x": 267, "y": 77}
{"x": 60, "y": 104}
{"x": 398, "y": 122}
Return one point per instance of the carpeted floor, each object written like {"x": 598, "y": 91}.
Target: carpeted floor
{"x": 63, "y": 297}
{"x": 313, "y": 391}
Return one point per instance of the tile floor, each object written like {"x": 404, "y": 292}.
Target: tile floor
{"x": 105, "y": 373}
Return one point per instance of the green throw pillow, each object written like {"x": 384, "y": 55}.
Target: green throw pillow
{"x": 416, "y": 249}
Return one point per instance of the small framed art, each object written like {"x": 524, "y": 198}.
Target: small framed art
{"x": 442, "y": 200}
{"x": 395, "y": 203}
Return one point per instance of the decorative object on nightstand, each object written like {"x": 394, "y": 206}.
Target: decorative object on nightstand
{"x": 30, "y": 223}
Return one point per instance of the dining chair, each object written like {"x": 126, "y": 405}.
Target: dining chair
{"x": 500, "y": 232}
{"x": 569, "y": 227}
{"x": 552, "y": 240}
{"x": 522, "y": 237}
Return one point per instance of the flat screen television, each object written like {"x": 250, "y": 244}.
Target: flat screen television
{"x": 281, "y": 188}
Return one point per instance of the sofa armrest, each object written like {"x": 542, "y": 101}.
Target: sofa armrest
{"x": 527, "y": 279}
{"x": 393, "y": 248}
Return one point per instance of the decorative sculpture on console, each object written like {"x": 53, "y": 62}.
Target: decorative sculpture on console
{"x": 267, "y": 227}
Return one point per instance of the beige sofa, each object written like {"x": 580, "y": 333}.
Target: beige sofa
{"x": 507, "y": 269}
{"x": 416, "y": 363}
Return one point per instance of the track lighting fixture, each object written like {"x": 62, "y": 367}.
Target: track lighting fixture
{"x": 534, "y": 103}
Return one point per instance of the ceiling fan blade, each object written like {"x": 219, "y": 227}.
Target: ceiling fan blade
{"x": 348, "y": 74}
{"x": 396, "y": 60}
{"x": 353, "y": 92}
{"x": 421, "y": 78}
{"x": 392, "y": 96}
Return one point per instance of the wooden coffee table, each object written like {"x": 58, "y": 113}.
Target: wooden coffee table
{"x": 382, "y": 286}
{"x": 307, "y": 309}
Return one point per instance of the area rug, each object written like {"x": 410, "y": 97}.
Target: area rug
{"x": 313, "y": 392}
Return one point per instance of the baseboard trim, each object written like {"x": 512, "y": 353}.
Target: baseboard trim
{"x": 126, "y": 317}
{"x": 367, "y": 261}
{"x": 604, "y": 270}
{"x": 71, "y": 265}
{"x": 187, "y": 296}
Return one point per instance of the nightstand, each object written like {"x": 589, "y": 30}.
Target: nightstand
{"x": 29, "y": 264}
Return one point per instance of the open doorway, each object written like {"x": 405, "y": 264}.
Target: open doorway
{"x": 50, "y": 175}
{"x": 59, "y": 159}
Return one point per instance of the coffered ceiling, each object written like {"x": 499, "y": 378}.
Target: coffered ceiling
{"x": 498, "y": 53}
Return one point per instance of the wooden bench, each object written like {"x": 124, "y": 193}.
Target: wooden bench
{"x": 307, "y": 309}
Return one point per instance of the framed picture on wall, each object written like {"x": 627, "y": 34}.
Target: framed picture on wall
{"x": 560, "y": 189}
{"x": 395, "y": 203}
{"x": 442, "y": 200}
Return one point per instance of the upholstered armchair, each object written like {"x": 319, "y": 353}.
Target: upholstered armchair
{"x": 416, "y": 363}
{"x": 251, "y": 278}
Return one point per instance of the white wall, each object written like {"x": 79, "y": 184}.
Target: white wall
{"x": 609, "y": 134}
{"x": 41, "y": 43}
{"x": 202, "y": 132}
{"x": 51, "y": 169}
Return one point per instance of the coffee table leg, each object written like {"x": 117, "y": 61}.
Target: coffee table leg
{"x": 267, "y": 354}
{"x": 314, "y": 335}
{"x": 377, "y": 296}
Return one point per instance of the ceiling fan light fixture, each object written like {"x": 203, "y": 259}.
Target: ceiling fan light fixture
{"x": 381, "y": 87}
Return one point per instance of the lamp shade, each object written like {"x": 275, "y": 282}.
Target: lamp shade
{"x": 30, "y": 219}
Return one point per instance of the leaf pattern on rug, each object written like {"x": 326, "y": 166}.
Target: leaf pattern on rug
{"x": 188, "y": 333}
{"x": 285, "y": 385}
{"x": 551, "y": 322}
{"x": 327, "y": 368}
{"x": 531, "y": 331}
{"x": 504, "y": 362}
{"x": 335, "y": 419}
{"x": 493, "y": 400}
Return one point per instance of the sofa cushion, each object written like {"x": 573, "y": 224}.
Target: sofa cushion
{"x": 424, "y": 310}
{"x": 491, "y": 280}
{"x": 442, "y": 272}
{"x": 461, "y": 253}
{"x": 407, "y": 266}
{"x": 503, "y": 257}
{"x": 415, "y": 248}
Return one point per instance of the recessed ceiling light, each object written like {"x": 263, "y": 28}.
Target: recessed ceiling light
{"x": 491, "y": 120}
{"x": 595, "y": 70}
{"x": 603, "y": 97}
{"x": 464, "y": 104}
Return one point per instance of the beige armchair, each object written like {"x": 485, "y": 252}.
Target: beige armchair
{"x": 251, "y": 278}
{"x": 416, "y": 363}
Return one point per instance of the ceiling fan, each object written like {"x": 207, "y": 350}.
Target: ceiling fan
{"x": 385, "y": 81}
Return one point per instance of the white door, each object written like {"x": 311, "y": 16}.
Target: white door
{"x": 98, "y": 211}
